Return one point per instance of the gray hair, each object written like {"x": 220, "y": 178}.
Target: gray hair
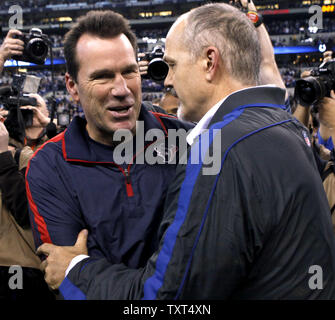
{"x": 231, "y": 32}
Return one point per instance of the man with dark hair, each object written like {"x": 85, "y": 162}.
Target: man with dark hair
{"x": 260, "y": 227}
{"x": 77, "y": 180}
{"x": 102, "y": 24}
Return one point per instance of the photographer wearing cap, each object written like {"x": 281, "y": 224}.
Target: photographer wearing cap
{"x": 16, "y": 240}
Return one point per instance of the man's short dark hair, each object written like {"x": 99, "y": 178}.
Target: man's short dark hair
{"x": 104, "y": 24}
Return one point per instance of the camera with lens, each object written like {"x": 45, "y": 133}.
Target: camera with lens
{"x": 14, "y": 96}
{"x": 157, "y": 67}
{"x": 314, "y": 88}
{"x": 35, "y": 47}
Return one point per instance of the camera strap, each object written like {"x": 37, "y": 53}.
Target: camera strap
{"x": 17, "y": 155}
{"x": 20, "y": 120}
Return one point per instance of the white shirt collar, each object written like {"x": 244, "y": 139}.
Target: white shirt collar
{"x": 202, "y": 125}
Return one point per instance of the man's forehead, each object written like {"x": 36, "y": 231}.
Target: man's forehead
{"x": 176, "y": 32}
{"x": 90, "y": 44}
{"x": 174, "y": 40}
{"x": 89, "y": 40}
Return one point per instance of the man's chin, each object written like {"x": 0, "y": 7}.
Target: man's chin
{"x": 124, "y": 127}
{"x": 185, "y": 115}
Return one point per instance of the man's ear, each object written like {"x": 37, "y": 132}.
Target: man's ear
{"x": 71, "y": 87}
{"x": 212, "y": 62}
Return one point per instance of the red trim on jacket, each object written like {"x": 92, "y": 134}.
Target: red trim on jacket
{"x": 39, "y": 220}
{"x": 158, "y": 117}
{"x": 164, "y": 115}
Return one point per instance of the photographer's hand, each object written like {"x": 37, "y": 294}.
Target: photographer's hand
{"x": 4, "y": 136}
{"x": 327, "y": 56}
{"x": 143, "y": 65}
{"x": 245, "y": 4}
{"x": 40, "y": 117}
{"x": 3, "y": 113}
{"x": 41, "y": 113}
{"x": 303, "y": 113}
{"x": 10, "y": 47}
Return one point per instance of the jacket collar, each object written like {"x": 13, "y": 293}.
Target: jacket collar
{"x": 261, "y": 95}
{"x": 76, "y": 146}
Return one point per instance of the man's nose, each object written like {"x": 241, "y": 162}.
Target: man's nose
{"x": 168, "y": 80}
{"x": 120, "y": 87}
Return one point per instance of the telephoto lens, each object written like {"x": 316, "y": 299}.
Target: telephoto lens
{"x": 310, "y": 90}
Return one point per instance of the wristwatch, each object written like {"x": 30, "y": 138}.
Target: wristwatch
{"x": 256, "y": 18}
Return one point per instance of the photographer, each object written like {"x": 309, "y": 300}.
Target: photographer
{"x": 321, "y": 119}
{"x": 16, "y": 240}
{"x": 14, "y": 156}
{"x": 35, "y": 134}
{"x": 324, "y": 116}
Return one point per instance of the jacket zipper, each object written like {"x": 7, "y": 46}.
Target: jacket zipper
{"x": 126, "y": 173}
{"x": 129, "y": 188}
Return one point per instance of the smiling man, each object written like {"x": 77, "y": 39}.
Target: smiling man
{"x": 74, "y": 180}
{"x": 107, "y": 107}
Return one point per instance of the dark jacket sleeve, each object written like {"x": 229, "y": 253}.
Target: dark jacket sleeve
{"x": 13, "y": 189}
{"x": 191, "y": 244}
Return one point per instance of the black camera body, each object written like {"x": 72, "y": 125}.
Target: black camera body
{"x": 11, "y": 102}
{"x": 35, "y": 47}
{"x": 12, "y": 98}
{"x": 314, "y": 88}
{"x": 16, "y": 116}
{"x": 157, "y": 68}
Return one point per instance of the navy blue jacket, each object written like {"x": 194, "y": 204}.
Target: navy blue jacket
{"x": 73, "y": 183}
